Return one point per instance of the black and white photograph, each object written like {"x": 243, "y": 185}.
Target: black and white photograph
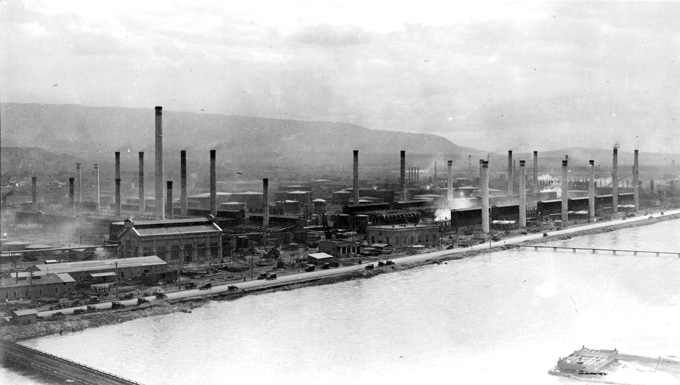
{"x": 339, "y": 192}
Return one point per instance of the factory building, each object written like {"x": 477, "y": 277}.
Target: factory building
{"x": 197, "y": 239}
{"x": 338, "y": 248}
{"x": 401, "y": 236}
{"x": 126, "y": 268}
{"x": 39, "y": 285}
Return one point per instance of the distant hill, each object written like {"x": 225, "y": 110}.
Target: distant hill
{"x": 24, "y": 162}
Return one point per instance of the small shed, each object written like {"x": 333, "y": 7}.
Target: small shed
{"x": 320, "y": 258}
{"x": 24, "y": 316}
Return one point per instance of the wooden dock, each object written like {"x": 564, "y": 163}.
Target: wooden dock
{"x": 53, "y": 366}
{"x": 594, "y": 250}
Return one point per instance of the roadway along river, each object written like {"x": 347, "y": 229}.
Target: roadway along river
{"x": 503, "y": 317}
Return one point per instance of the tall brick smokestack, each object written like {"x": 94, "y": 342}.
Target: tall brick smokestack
{"x": 34, "y": 193}
{"x": 565, "y": 194}
{"x": 511, "y": 177}
{"x": 119, "y": 204}
{"x": 536, "y": 188}
{"x": 265, "y": 202}
{"x": 79, "y": 182}
{"x": 71, "y": 195}
{"x": 356, "y": 177}
{"x": 402, "y": 174}
{"x": 117, "y": 176}
{"x": 168, "y": 206}
{"x": 435, "y": 172}
{"x": 591, "y": 192}
{"x": 183, "y": 183}
{"x": 522, "y": 196}
{"x": 615, "y": 181}
{"x": 97, "y": 195}
{"x": 142, "y": 202}
{"x": 481, "y": 162}
{"x": 160, "y": 202}
{"x": 485, "y": 197}
{"x": 449, "y": 183}
{"x": 636, "y": 181}
{"x": 213, "y": 185}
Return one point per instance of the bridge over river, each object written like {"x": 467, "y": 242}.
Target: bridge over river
{"x": 53, "y": 366}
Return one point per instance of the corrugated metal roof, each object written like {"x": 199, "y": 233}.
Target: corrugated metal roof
{"x": 101, "y": 264}
{"x": 320, "y": 255}
{"x": 149, "y": 231}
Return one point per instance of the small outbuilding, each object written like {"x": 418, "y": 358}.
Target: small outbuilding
{"x": 320, "y": 258}
{"x": 24, "y": 316}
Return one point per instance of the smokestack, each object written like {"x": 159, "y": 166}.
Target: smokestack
{"x": 97, "y": 197}
{"x": 522, "y": 196}
{"x": 403, "y": 174}
{"x": 615, "y": 182}
{"x": 71, "y": 195}
{"x": 168, "y": 206}
{"x": 470, "y": 167}
{"x": 485, "y": 197}
{"x": 213, "y": 185}
{"x": 34, "y": 193}
{"x": 183, "y": 183}
{"x": 449, "y": 184}
{"x": 117, "y": 176}
{"x": 591, "y": 193}
{"x": 511, "y": 178}
{"x": 536, "y": 188}
{"x": 435, "y": 172}
{"x": 636, "y": 184}
{"x": 265, "y": 202}
{"x": 356, "y": 177}
{"x": 565, "y": 194}
{"x": 160, "y": 202}
{"x": 481, "y": 162}
{"x": 119, "y": 204}
{"x": 79, "y": 175}
{"x": 142, "y": 201}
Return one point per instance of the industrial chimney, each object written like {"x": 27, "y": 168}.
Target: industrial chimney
{"x": 591, "y": 192}
{"x": 449, "y": 184}
{"x": 117, "y": 176}
{"x": 79, "y": 182}
{"x": 213, "y": 185}
{"x": 485, "y": 197}
{"x": 615, "y": 182}
{"x": 168, "y": 205}
{"x": 636, "y": 183}
{"x": 183, "y": 183}
{"x": 565, "y": 194}
{"x": 160, "y": 202}
{"x": 142, "y": 202}
{"x": 71, "y": 195}
{"x": 403, "y": 174}
{"x": 356, "y": 177}
{"x": 97, "y": 197}
{"x": 537, "y": 190}
{"x": 522, "y": 196}
{"x": 511, "y": 177}
{"x": 34, "y": 193}
{"x": 265, "y": 202}
{"x": 119, "y": 204}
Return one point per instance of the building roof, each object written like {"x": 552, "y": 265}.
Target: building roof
{"x": 152, "y": 231}
{"x": 24, "y": 312}
{"x": 403, "y": 227}
{"x": 100, "y": 275}
{"x": 38, "y": 280}
{"x": 320, "y": 255}
{"x": 105, "y": 264}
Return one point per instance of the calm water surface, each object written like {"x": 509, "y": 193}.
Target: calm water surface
{"x": 497, "y": 318}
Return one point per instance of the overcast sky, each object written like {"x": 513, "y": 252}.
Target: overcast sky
{"x": 493, "y": 75}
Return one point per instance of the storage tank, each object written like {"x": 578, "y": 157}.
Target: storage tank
{"x": 341, "y": 197}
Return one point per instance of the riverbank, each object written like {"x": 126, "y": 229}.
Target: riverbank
{"x": 72, "y": 323}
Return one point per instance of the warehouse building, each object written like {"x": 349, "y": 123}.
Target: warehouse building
{"x": 125, "y": 268}
{"x": 39, "y": 285}
{"x": 401, "y": 236}
{"x": 196, "y": 239}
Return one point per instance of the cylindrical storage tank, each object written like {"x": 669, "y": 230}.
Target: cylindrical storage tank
{"x": 250, "y": 198}
{"x": 319, "y": 206}
{"x": 304, "y": 197}
{"x": 233, "y": 206}
{"x": 341, "y": 197}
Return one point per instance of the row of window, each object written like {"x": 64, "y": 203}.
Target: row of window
{"x": 40, "y": 292}
{"x": 408, "y": 240}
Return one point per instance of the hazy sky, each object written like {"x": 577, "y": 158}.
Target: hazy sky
{"x": 493, "y": 75}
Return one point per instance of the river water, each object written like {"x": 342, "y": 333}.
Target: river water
{"x": 503, "y": 317}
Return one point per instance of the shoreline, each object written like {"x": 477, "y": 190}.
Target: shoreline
{"x": 109, "y": 317}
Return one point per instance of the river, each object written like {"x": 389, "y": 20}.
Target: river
{"x": 502, "y": 317}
